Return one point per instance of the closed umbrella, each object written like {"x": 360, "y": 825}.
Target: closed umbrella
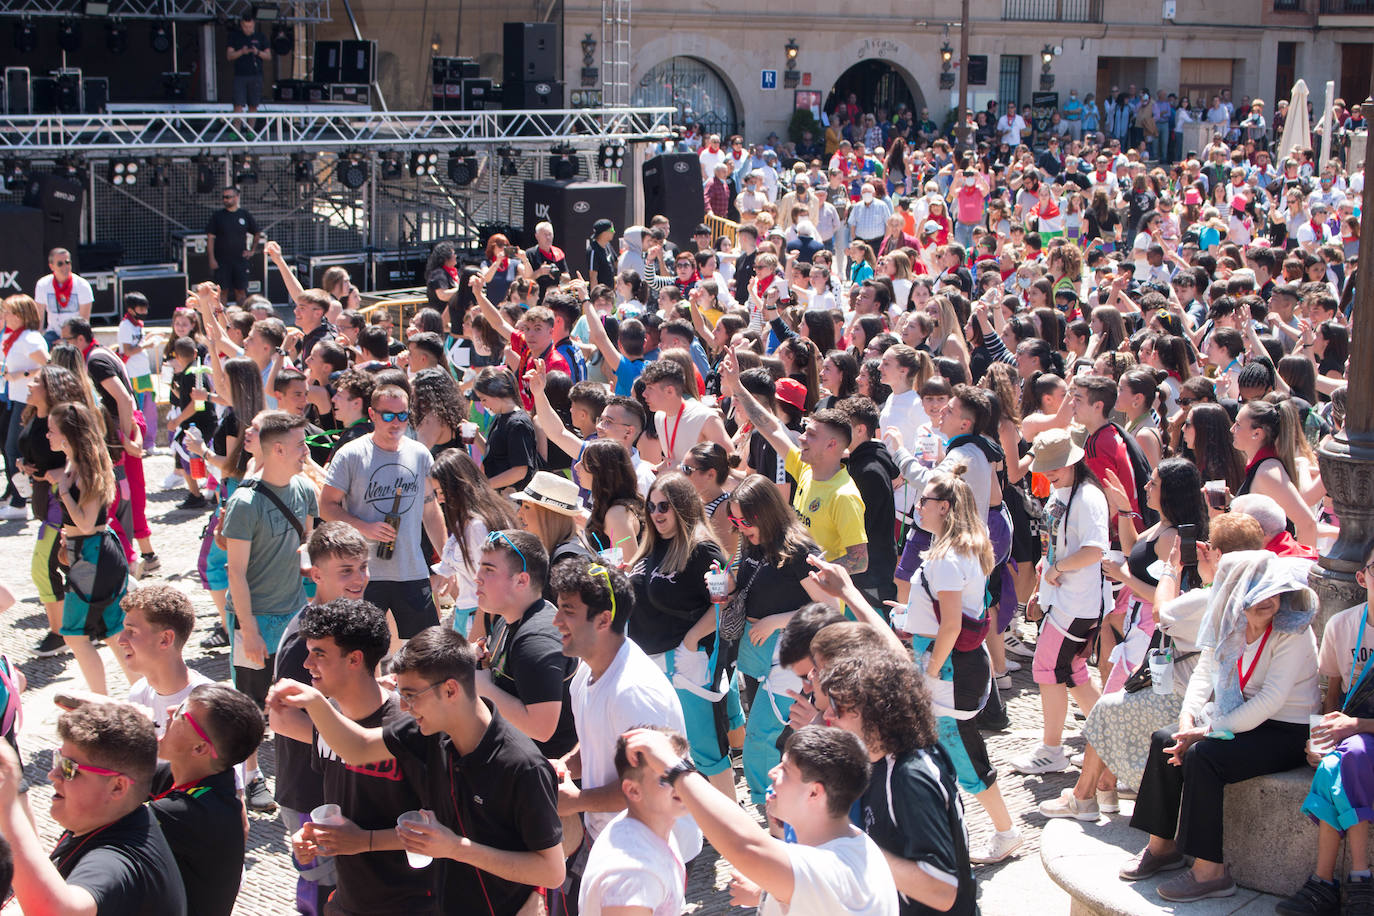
{"x": 1297, "y": 130}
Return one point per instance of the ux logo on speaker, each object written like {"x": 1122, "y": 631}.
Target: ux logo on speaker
{"x": 9, "y": 279}
{"x": 541, "y": 211}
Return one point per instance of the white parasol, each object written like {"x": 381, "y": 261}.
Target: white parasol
{"x": 1297, "y": 130}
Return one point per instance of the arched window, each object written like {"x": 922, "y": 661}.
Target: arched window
{"x": 694, "y": 89}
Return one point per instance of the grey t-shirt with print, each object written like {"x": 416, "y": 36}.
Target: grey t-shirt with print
{"x": 368, "y": 477}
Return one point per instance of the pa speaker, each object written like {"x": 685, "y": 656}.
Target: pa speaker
{"x": 357, "y": 62}
{"x": 60, "y": 200}
{"x": 531, "y": 51}
{"x": 673, "y": 188}
{"x": 23, "y": 260}
{"x": 328, "y": 62}
{"x": 572, "y": 207}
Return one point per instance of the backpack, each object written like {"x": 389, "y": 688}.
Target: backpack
{"x": 1140, "y": 470}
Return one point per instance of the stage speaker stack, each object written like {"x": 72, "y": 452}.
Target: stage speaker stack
{"x": 23, "y": 260}
{"x": 328, "y": 62}
{"x": 60, "y": 200}
{"x": 673, "y": 188}
{"x": 573, "y": 207}
{"x": 530, "y": 68}
{"x": 451, "y": 78}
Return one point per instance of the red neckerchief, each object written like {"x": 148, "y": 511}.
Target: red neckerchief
{"x": 133, "y": 319}
{"x": 1051, "y": 211}
{"x": 10, "y": 338}
{"x": 452, "y": 273}
{"x": 1263, "y": 454}
{"x": 1245, "y": 675}
{"x": 86, "y": 353}
{"x": 63, "y": 292}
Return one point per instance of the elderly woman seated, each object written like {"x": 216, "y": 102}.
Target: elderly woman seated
{"x": 1245, "y": 715}
{"x": 1119, "y": 727}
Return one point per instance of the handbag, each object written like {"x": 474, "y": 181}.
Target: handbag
{"x": 1140, "y": 677}
{"x": 730, "y": 624}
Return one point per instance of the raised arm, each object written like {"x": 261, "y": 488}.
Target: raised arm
{"x": 355, "y": 745}
{"x": 288, "y": 276}
{"x": 610, "y": 355}
{"x": 767, "y": 425}
{"x": 489, "y": 311}
{"x": 545, "y": 416}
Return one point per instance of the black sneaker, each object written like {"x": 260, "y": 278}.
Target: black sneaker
{"x": 51, "y": 645}
{"x": 198, "y": 501}
{"x": 218, "y": 638}
{"x": 259, "y": 796}
{"x": 1359, "y": 897}
{"x": 1315, "y": 898}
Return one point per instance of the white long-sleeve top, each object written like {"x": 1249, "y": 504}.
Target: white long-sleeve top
{"x": 451, "y": 562}
{"x": 1283, "y": 686}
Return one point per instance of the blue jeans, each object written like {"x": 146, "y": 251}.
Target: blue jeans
{"x": 963, "y": 234}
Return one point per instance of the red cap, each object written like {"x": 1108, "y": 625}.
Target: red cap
{"x": 793, "y": 392}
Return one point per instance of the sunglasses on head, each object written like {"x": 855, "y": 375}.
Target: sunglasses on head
{"x": 496, "y": 537}
{"x": 596, "y": 569}
{"x": 659, "y": 508}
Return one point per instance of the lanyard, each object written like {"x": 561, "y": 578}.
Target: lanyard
{"x": 1245, "y": 675}
{"x": 1359, "y": 643}
{"x": 672, "y": 439}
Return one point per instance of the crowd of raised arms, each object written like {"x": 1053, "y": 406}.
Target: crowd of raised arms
{"x": 577, "y": 568}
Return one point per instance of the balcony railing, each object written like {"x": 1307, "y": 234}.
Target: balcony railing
{"x": 1347, "y": 7}
{"x": 1053, "y": 10}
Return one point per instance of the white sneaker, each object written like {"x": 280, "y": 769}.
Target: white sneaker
{"x": 10, "y": 513}
{"x": 172, "y": 481}
{"x": 1042, "y": 760}
{"x": 1003, "y": 681}
{"x": 1013, "y": 665}
{"x": 1077, "y": 759}
{"x": 1070, "y": 805}
{"x": 1108, "y": 802}
{"x": 999, "y": 847}
{"x": 1015, "y": 646}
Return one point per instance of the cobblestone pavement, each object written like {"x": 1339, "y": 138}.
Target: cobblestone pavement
{"x": 269, "y": 884}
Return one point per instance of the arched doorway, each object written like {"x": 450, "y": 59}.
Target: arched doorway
{"x": 695, "y": 89}
{"x": 875, "y": 84}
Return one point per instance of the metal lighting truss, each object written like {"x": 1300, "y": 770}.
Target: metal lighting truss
{"x": 200, "y": 10}
{"x": 191, "y": 133}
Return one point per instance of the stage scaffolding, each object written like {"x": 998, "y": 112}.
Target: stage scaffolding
{"x": 199, "y": 10}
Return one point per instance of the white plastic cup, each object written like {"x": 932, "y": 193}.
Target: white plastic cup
{"x": 327, "y": 815}
{"x": 613, "y": 557}
{"x": 1312, "y": 722}
{"x": 930, "y": 449}
{"x": 468, "y": 431}
{"x": 718, "y": 583}
{"x": 1216, "y": 493}
{"x": 1161, "y": 672}
{"x": 22, "y": 484}
{"x": 415, "y": 859}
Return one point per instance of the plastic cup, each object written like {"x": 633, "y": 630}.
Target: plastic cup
{"x": 1312, "y": 722}
{"x": 468, "y": 430}
{"x": 1161, "y": 672}
{"x": 1216, "y": 493}
{"x": 22, "y": 484}
{"x": 415, "y": 859}
{"x": 613, "y": 556}
{"x": 328, "y": 815}
{"x": 718, "y": 583}
{"x": 930, "y": 449}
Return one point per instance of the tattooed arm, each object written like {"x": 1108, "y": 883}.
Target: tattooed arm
{"x": 855, "y": 559}
{"x": 763, "y": 420}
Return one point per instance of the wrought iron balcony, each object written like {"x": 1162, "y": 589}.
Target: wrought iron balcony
{"x": 1053, "y": 10}
{"x": 1347, "y": 7}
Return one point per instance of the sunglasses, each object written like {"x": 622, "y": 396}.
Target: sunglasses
{"x": 63, "y": 263}
{"x": 392, "y": 416}
{"x": 1186, "y": 402}
{"x": 930, "y": 499}
{"x": 69, "y": 768}
{"x": 659, "y": 508}
{"x": 496, "y": 537}
{"x": 687, "y": 469}
{"x": 740, "y": 522}
{"x": 181, "y": 712}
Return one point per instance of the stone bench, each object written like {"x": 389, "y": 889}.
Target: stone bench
{"x": 1269, "y": 845}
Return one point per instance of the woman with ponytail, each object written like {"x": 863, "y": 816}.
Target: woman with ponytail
{"x": 1271, "y": 466}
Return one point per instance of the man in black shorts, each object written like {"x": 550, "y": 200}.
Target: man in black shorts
{"x": 233, "y": 236}
{"x": 248, "y": 48}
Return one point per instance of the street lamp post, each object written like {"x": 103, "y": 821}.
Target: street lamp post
{"x": 1347, "y": 460}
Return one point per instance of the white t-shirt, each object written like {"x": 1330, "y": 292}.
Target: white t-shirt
{"x": 1338, "y": 645}
{"x": 131, "y": 335}
{"x": 630, "y": 865}
{"x": 633, "y": 691}
{"x": 43, "y": 294}
{"x": 451, "y": 562}
{"x": 683, "y": 431}
{"x": 141, "y": 694}
{"x": 1080, "y": 592}
{"x": 906, "y": 412}
{"x": 709, "y": 161}
{"x": 20, "y": 359}
{"x": 1010, "y": 129}
{"x": 952, "y": 572}
{"x": 847, "y": 875}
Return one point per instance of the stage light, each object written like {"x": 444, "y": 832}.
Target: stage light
{"x": 303, "y": 167}
{"x": 123, "y": 172}
{"x": 116, "y": 37}
{"x": 25, "y": 37}
{"x": 393, "y": 166}
{"x": 563, "y": 163}
{"x": 462, "y": 167}
{"x": 208, "y": 179}
{"x": 268, "y": 13}
{"x": 245, "y": 169}
{"x": 510, "y": 168}
{"x": 283, "y": 39}
{"x": 353, "y": 171}
{"x": 422, "y": 164}
{"x": 611, "y": 155}
{"x": 16, "y": 173}
{"x": 160, "y": 36}
{"x": 160, "y": 170}
{"x": 69, "y": 36}
{"x": 94, "y": 9}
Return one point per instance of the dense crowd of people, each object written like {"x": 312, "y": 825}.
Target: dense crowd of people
{"x": 520, "y": 585}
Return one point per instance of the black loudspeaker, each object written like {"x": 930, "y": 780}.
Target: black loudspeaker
{"x": 328, "y": 62}
{"x": 357, "y": 61}
{"x": 60, "y": 200}
{"x": 17, "y": 88}
{"x": 533, "y": 95}
{"x": 672, "y": 187}
{"x": 44, "y": 95}
{"x": 479, "y": 95}
{"x": 69, "y": 92}
{"x": 572, "y": 207}
{"x": 23, "y": 260}
{"x": 95, "y": 94}
{"x": 531, "y": 51}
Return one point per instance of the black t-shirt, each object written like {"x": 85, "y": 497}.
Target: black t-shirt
{"x": 227, "y": 428}
{"x": 528, "y": 663}
{"x": 126, "y": 866}
{"x": 538, "y": 259}
{"x": 765, "y": 460}
{"x": 298, "y": 785}
{"x": 321, "y": 331}
{"x": 203, "y": 824}
{"x": 180, "y": 397}
{"x": 602, "y": 260}
{"x": 34, "y": 448}
{"x": 504, "y": 795}
{"x": 744, "y": 273}
{"x": 772, "y": 589}
{"x": 959, "y": 277}
{"x": 102, "y": 364}
{"x": 231, "y": 232}
{"x": 436, "y": 280}
{"x": 668, "y": 603}
{"x": 929, "y": 827}
{"x": 511, "y": 443}
{"x": 248, "y": 64}
{"x": 371, "y": 796}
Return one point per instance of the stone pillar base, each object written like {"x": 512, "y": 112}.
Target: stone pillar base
{"x": 1347, "y": 469}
